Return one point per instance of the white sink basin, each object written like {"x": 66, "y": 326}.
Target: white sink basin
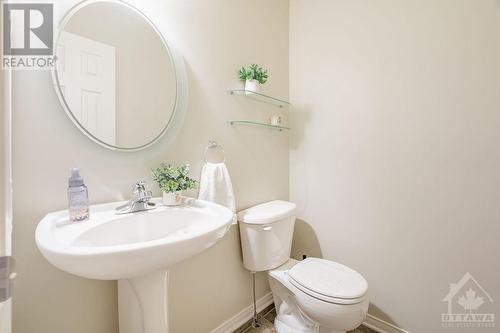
{"x": 113, "y": 247}
{"x": 136, "y": 249}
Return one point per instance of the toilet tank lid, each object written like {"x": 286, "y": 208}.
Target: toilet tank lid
{"x": 267, "y": 212}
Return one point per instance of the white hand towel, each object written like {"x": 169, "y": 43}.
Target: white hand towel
{"x": 216, "y": 186}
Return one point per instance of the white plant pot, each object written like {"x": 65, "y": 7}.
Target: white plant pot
{"x": 252, "y": 86}
{"x": 172, "y": 198}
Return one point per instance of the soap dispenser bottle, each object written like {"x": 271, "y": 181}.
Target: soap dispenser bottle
{"x": 78, "y": 197}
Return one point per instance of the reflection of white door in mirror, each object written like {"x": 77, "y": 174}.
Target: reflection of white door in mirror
{"x": 86, "y": 72}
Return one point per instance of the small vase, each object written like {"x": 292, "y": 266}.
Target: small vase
{"x": 276, "y": 120}
{"x": 172, "y": 198}
{"x": 251, "y": 86}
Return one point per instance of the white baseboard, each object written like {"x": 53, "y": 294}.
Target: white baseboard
{"x": 381, "y": 326}
{"x": 230, "y": 325}
{"x": 235, "y": 322}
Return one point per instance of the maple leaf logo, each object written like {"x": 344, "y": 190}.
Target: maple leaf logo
{"x": 470, "y": 301}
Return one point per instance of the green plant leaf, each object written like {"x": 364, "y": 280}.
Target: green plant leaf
{"x": 254, "y": 72}
{"x": 172, "y": 179}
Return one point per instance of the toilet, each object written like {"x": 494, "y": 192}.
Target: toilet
{"x": 311, "y": 296}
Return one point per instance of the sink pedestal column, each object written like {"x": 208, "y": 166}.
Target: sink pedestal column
{"x": 143, "y": 303}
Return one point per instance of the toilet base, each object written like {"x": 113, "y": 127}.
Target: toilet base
{"x": 298, "y": 312}
{"x": 289, "y": 319}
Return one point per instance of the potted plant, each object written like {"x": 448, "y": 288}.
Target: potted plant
{"x": 172, "y": 181}
{"x": 253, "y": 76}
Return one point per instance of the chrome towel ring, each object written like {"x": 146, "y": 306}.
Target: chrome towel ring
{"x": 213, "y": 145}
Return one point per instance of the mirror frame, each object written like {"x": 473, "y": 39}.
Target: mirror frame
{"x": 180, "y": 105}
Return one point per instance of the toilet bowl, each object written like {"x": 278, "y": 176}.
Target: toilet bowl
{"x": 321, "y": 302}
{"x": 311, "y": 296}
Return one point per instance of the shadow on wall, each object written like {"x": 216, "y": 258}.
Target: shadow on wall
{"x": 375, "y": 311}
{"x": 299, "y": 117}
{"x": 305, "y": 241}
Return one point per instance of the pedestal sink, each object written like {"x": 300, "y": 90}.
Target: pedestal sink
{"x": 136, "y": 249}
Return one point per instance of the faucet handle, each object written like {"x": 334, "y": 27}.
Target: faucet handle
{"x": 140, "y": 201}
{"x": 140, "y": 191}
{"x": 139, "y": 186}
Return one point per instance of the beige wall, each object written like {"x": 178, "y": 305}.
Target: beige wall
{"x": 5, "y": 244}
{"x": 216, "y": 38}
{"x": 2, "y": 161}
{"x": 5, "y": 241}
{"x": 396, "y": 164}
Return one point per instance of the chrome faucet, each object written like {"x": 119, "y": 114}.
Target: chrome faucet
{"x": 139, "y": 202}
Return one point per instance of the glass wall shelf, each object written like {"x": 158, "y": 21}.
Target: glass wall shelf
{"x": 254, "y": 123}
{"x": 260, "y": 97}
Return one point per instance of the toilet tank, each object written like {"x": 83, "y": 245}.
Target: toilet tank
{"x": 266, "y": 232}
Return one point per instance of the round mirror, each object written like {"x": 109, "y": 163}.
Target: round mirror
{"x": 115, "y": 75}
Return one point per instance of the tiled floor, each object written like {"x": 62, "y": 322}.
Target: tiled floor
{"x": 267, "y": 319}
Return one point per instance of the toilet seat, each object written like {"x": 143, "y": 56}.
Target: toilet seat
{"x": 302, "y": 309}
{"x": 328, "y": 281}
